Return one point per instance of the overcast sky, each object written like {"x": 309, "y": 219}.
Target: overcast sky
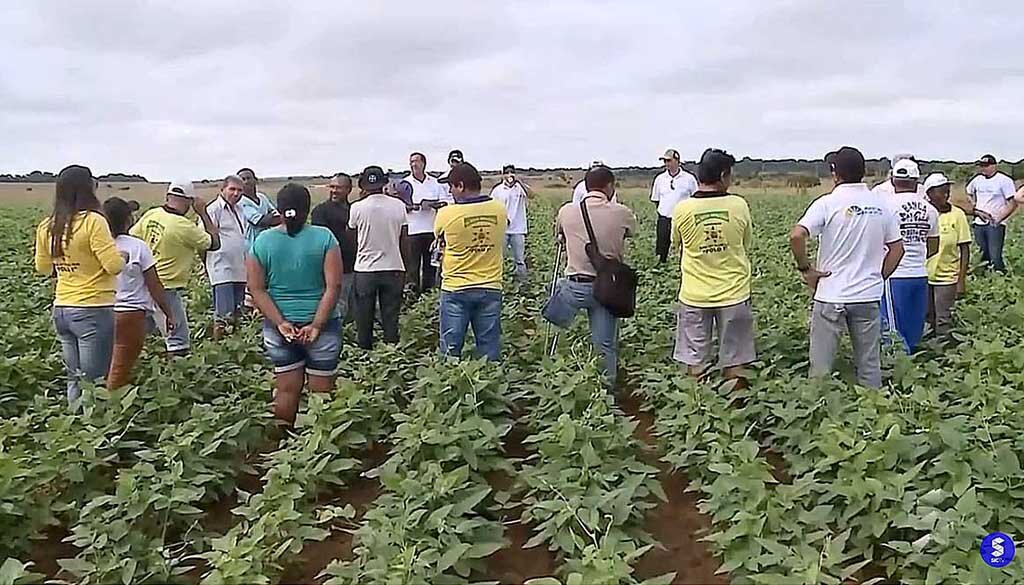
{"x": 198, "y": 88}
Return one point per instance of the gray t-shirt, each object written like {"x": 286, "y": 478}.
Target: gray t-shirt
{"x": 378, "y": 220}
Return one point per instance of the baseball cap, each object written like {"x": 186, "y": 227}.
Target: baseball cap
{"x": 596, "y": 163}
{"x": 848, "y": 163}
{"x": 456, "y": 156}
{"x": 372, "y": 177}
{"x": 182, "y": 189}
{"x": 906, "y": 169}
{"x": 936, "y": 180}
{"x": 670, "y": 154}
{"x": 987, "y": 160}
{"x": 510, "y": 168}
{"x": 462, "y": 173}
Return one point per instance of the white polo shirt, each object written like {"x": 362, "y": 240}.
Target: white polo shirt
{"x": 378, "y": 220}
{"x": 428, "y": 190}
{"x": 991, "y": 194}
{"x": 514, "y": 198}
{"x": 887, "y": 188}
{"x": 580, "y": 191}
{"x": 853, "y": 226}
{"x": 667, "y": 191}
{"x": 227, "y": 263}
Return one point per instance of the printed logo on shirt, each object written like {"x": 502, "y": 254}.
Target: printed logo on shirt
{"x": 857, "y": 210}
{"x": 711, "y": 222}
{"x": 482, "y": 226}
{"x": 66, "y": 267}
{"x": 914, "y": 226}
{"x": 154, "y": 233}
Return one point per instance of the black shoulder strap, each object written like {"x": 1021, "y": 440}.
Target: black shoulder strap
{"x": 589, "y": 226}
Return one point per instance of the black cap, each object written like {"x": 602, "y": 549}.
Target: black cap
{"x": 372, "y": 177}
{"x": 508, "y": 169}
{"x": 987, "y": 160}
{"x": 456, "y": 156}
{"x": 714, "y": 163}
{"x": 847, "y": 163}
{"x": 462, "y": 173}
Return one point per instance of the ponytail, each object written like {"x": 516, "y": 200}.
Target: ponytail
{"x": 293, "y": 204}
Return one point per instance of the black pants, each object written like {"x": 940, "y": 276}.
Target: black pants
{"x": 419, "y": 269}
{"x": 371, "y": 288}
{"x": 664, "y": 240}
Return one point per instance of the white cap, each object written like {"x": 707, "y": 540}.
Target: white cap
{"x": 182, "y": 189}
{"x": 906, "y": 169}
{"x": 936, "y": 180}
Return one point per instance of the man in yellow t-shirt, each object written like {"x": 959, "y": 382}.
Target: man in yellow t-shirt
{"x": 176, "y": 242}
{"x": 947, "y": 268}
{"x": 713, "y": 228}
{"x": 472, "y": 236}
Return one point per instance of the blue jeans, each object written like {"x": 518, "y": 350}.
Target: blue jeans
{"x": 87, "y": 342}
{"x": 990, "y": 240}
{"x": 228, "y": 298}
{"x": 562, "y": 309}
{"x": 178, "y": 340}
{"x": 516, "y": 243}
{"x": 479, "y": 307}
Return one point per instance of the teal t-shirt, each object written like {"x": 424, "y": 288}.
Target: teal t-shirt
{"x": 295, "y": 269}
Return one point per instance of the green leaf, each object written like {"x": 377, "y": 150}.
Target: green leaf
{"x": 129, "y": 571}
{"x": 542, "y": 581}
{"x": 666, "y": 579}
{"x": 484, "y": 549}
{"x": 451, "y": 556}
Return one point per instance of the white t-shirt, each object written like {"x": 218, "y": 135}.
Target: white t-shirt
{"x": 853, "y": 226}
{"x": 991, "y": 193}
{"x": 378, "y": 220}
{"x": 132, "y": 294}
{"x": 514, "y": 198}
{"x": 580, "y": 191}
{"x": 887, "y": 188}
{"x": 667, "y": 191}
{"x": 429, "y": 190}
{"x": 227, "y": 263}
{"x": 918, "y": 220}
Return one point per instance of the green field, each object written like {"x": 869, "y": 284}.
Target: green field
{"x": 418, "y": 471}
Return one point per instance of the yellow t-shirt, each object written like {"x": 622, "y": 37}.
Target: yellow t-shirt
{"x": 474, "y": 236}
{"x": 714, "y": 230}
{"x": 175, "y": 241}
{"x": 86, "y": 272}
{"x": 954, "y": 229}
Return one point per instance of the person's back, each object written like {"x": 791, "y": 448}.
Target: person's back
{"x": 378, "y": 220}
{"x": 87, "y": 267}
{"x": 474, "y": 234}
{"x": 853, "y": 226}
{"x": 612, "y": 223}
{"x": 714, "y": 230}
{"x": 294, "y": 267}
{"x": 175, "y": 242}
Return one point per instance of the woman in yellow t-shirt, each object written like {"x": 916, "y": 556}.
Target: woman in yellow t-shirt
{"x": 947, "y": 268}
{"x": 74, "y": 244}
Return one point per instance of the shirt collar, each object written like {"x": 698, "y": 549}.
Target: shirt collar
{"x": 173, "y": 211}
{"x": 850, "y": 187}
{"x": 596, "y": 195}
{"x": 478, "y": 199}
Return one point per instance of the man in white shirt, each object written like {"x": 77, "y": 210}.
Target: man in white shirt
{"x": 905, "y": 302}
{"x": 427, "y": 197}
{"x": 992, "y": 192}
{"x": 887, "y": 187}
{"x": 669, "y": 188}
{"x": 580, "y": 190}
{"x": 379, "y": 221}
{"x": 513, "y": 193}
{"x": 859, "y": 245}
{"x": 225, "y": 266}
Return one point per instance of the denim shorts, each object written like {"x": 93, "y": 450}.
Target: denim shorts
{"x": 320, "y": 358}
{"x": 228, "y": 298}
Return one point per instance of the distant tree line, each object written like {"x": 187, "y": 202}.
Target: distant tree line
{"x": 48, "y": 177}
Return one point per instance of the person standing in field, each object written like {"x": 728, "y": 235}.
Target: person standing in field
{"x": 294, "y": 273}
{"x": 226, "y": 266}
{"x": 905, "y": 298}
{"x": 379, "y": 221}
{"x": 612, "y": 224}
{"x": 714, "y": 230}
{"x": 947, "y": 268}
{"x": 513, "y": 193}
{"x": 176, "y": 242}
{"x": 257, "y": 211}
{"x": 580, "y": 190}
{"x": 139, "y": 290}
{"x": 333, "y": 214}
{"x": 669, "y": 188}
{"x": 994, "y": 193}
{"x": 471, "y": 234}
{"x": 888, "y": 186}
{"x": 427, "y": 197}
{"x": 75, "y": 245}
{"x": 859, "y": 246}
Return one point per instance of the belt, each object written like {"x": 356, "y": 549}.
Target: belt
{"x": 580, "y": 278}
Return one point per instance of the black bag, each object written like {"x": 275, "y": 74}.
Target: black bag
{"x": 615, "y": 284}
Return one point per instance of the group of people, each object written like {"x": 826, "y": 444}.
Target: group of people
{"x": 895, "y": 255}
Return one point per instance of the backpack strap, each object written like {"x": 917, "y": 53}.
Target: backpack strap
{"x": 590, "y": 227}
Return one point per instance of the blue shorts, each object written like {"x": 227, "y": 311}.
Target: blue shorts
{"x": 319, "y": 358}
{"x": 228, "y": 298}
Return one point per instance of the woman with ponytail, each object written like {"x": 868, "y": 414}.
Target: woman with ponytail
{"x": 294, "y": 273}
{"x": 74, "y": 244}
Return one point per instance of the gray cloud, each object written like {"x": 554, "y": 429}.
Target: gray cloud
{"x": 199, "y": 87}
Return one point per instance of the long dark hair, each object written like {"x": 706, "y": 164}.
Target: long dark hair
{"x": 75, "y": 191}
{"x": 293, "y": 204}
{"x": 119, "y": 214}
